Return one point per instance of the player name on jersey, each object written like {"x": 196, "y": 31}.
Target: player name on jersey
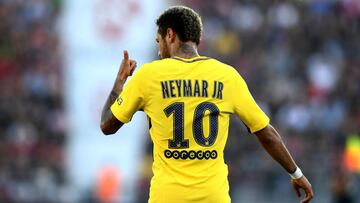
{"x": 190, "y": 88}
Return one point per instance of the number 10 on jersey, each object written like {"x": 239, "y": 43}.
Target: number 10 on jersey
{"x": 177, "y": 109}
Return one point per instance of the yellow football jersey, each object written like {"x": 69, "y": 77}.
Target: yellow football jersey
{"x": 188, "y": 103}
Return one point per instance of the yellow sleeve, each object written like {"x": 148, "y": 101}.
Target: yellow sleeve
{"x": 246, "y": 108}
{"x": 131, "y": 99}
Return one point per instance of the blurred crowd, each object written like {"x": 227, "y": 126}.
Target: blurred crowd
{"x": 300, "y": 58}
{"x": 32, "y": 117}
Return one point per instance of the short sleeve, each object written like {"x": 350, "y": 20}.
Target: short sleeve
{"x": 131, "y": 99}
{"x": 246, "y": 108}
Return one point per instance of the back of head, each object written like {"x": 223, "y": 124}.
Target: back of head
{"x": 182, "y": 20}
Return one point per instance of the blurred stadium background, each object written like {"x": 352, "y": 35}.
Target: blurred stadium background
{"x": 58, "y": 60}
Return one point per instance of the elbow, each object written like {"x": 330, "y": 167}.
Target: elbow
{"x": 109, "y": 124}
{"x": 106, "y": 130}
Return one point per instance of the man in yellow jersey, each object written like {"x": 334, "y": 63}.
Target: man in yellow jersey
{"x": 188, "y": 100}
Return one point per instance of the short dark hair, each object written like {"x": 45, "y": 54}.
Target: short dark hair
{"x": 183, "y": 20}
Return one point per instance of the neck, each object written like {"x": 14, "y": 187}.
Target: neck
{"x": 186, "y": 50}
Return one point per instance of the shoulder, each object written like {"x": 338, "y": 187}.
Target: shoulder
{"x": 230, "y": 73}
{"x": 225, "y": 68}
{"x": 222, "y": 65}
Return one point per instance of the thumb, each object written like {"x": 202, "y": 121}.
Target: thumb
{"x": 126, "y": 55}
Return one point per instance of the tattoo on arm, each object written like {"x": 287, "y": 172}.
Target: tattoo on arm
{"x": 109, "y": 123}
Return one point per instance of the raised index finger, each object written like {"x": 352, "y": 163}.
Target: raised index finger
{"x": 126, "y": 55}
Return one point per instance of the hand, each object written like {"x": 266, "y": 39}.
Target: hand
{"x": 305, "y": 185}
{"x": 126, "y": 69}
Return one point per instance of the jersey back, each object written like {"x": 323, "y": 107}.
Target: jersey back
{"x": 188, "y": 103}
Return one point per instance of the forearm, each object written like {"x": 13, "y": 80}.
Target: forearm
{"x": 109, "y": 125}
{"x": 106, "y": 109}
{"x": 274, "y": 145}
{"x": 114, "y": 94}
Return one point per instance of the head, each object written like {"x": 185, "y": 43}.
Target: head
{"x": 178, "y": 24}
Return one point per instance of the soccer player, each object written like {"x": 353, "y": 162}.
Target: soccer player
{"x": 188, "y": 100}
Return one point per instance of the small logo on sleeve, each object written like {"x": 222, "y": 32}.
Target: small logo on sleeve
{"x": 119, "y": 100}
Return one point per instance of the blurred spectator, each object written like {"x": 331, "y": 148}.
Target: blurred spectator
{"x": 33, "y": 123}
{"x": 340, "y": 188}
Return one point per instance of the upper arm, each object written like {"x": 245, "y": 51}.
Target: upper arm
{"x": 246, "y": 108}
{"x": 265, "y": 133}
{"x": 268, "y": 135}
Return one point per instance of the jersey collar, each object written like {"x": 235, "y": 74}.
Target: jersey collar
{"x": 190, "y": 60}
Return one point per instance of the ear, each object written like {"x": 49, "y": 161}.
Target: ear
{"x": 171, "y": 35}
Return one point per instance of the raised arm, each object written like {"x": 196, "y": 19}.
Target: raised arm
{"x": 273, "y": 144}
{"x": 109, "y": 123}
